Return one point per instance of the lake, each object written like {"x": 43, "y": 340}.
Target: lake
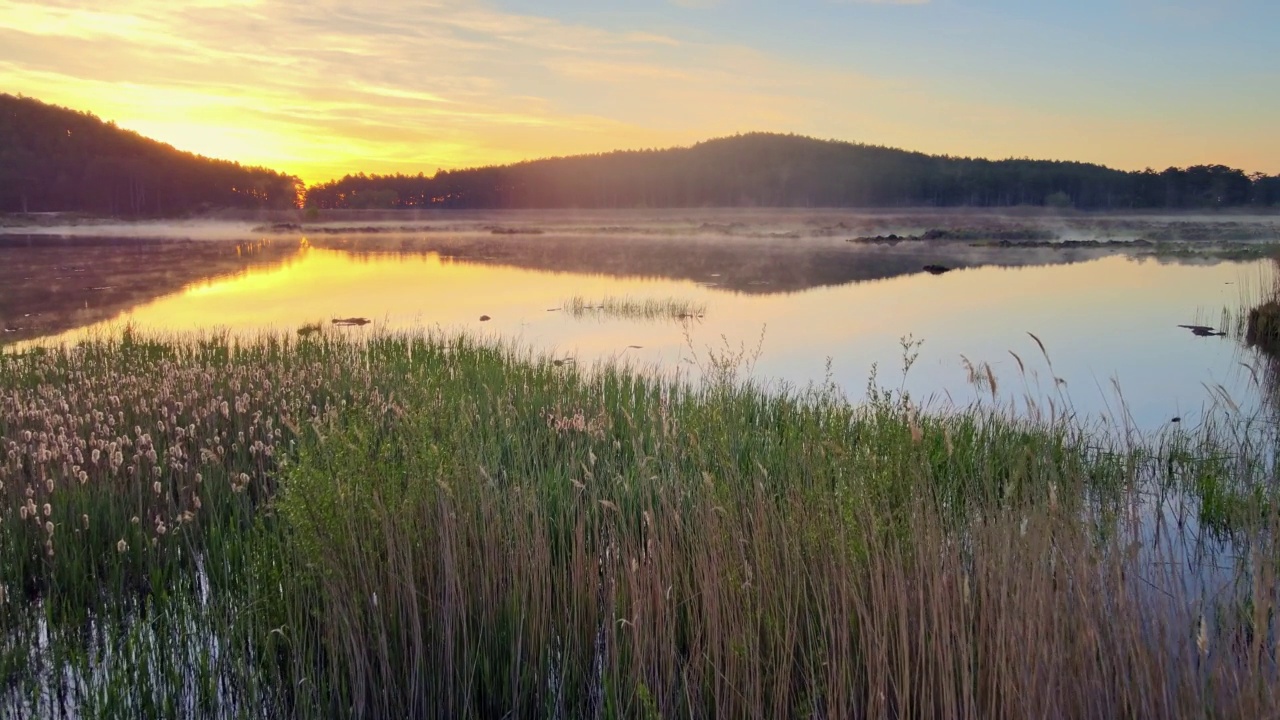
{"x": 1041, "y": 315}
{"x": 798, "y": 297}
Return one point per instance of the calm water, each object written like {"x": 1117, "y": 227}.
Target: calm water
{"x": 802, "y": 308}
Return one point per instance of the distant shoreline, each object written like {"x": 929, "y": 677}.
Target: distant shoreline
{"x": 1235, "y": 234}
{"x": 44, "y": 221}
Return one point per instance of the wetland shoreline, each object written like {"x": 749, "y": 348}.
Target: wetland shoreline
{"x": 431, "y": 525}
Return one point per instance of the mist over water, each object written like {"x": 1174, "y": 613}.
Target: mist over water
{"x": 799, "y": 297}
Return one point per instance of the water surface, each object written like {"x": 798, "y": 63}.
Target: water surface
{"x": 795, "y": 309}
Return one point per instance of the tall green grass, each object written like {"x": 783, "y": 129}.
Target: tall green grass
{"x": 419, "y": 525}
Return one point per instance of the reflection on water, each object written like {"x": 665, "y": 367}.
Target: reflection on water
{"x": 1109, "y": 322}
{"x": 745, "y": 264}
{"x": 50, "y": 285}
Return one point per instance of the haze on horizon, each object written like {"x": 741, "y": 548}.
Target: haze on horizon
{"x": 322, "y": 88}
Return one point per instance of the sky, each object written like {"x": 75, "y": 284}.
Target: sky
{"x": 321, "y": 88}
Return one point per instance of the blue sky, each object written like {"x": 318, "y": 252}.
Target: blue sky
{"x": 323, "y": 87}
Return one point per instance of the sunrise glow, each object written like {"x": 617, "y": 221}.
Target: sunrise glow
{"x": 324, "y": 89}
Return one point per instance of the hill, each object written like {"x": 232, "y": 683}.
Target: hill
{"x": 772, "y": 170}
{"x": 56, "y": 159}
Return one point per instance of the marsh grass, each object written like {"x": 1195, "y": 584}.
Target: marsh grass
{"x": 1256, "y": 288}
{"x": 426, "y": 526}
{"x": 628, "y": 308}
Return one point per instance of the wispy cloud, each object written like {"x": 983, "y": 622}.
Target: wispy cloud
{"x": 322, "y": 88}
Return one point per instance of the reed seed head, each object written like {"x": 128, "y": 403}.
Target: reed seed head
{"x": 1202, "y": 637}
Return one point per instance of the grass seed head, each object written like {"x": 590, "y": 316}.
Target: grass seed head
{"x": 1202, "y": 637}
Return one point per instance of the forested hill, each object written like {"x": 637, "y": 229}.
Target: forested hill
{"x": 771, "y": 170}
{"x": 56, "y": 159}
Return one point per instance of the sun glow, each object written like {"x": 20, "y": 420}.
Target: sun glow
{"x": 308, "y": 90}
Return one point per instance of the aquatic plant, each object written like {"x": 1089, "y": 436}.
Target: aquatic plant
{"x": 634, "y": 308}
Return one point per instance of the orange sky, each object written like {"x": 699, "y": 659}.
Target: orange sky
{"x": 323, "y": 88}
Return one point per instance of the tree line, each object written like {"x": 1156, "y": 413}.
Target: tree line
{"x": 57, "y": 159}
{"x": 772, "y": 170}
